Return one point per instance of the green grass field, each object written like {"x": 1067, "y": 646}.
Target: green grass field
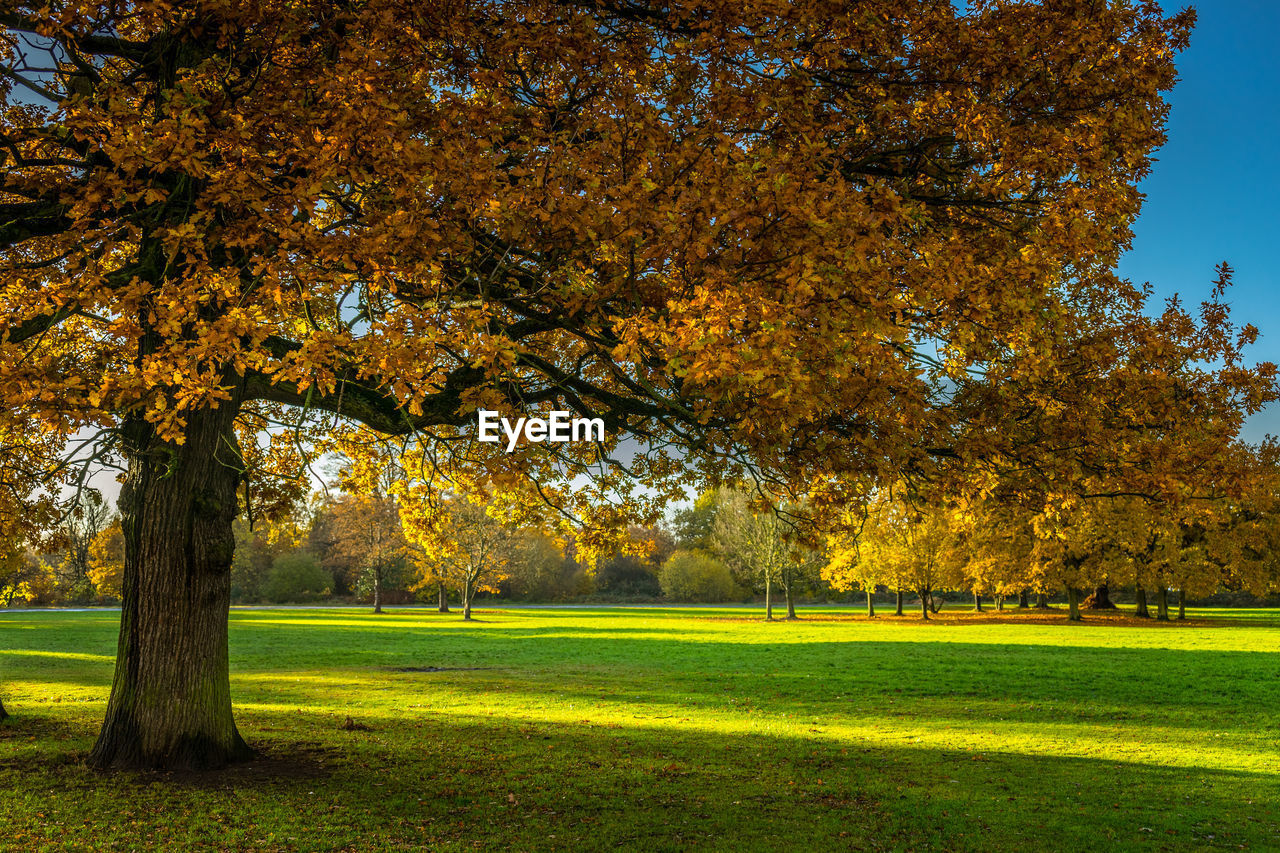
{"x": 672, "y": 729}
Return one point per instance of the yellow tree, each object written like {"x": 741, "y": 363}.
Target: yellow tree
{"x": 732, "y": 229}
{"x": 462, "y": 540}
{"x": 904, "y": 543}
{"x": 106, "y": 560}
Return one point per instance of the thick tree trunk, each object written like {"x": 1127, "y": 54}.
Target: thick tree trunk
{"x": 898, "y": 610}
{"x": 791, "y": 605}
{"x": 1073, "y": 604}
{"x": 977, "y": 603}
{"x": 1162, "y": 603}
{"x": 377, "y": 590}
{"x": 1024, "y": 600}
{"x": 924, "y": 605}
{"x": 999, "y": 602}
{"x": 1182, "y": 602}
{"x": 444, "y": 599}
{"x": 170, "y": 703}
{"x": 871, "y": 606}
{"x": 1100, "y": 600}
{"x": 466, "y": 600}
{"x": 768, "y": 599}
{"x": 1141, "y": 609}
{"x": 1042, "y": 601}
{"x": 4, "y": 715}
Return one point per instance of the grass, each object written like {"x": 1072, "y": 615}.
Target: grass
{"x": 651, "y": 730}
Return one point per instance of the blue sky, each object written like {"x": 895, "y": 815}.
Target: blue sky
{"x": 1214, "y": 193}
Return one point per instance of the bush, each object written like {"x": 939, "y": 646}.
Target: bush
{"x": 697, "y": 576}
{"x": 296, "y": 578}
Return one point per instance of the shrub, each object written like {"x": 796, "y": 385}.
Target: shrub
{"x": 296, "y": 577}
{"x": 696, "y": 576}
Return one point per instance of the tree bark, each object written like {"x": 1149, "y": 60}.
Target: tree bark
{"x": 1042, "y": 601}
{"x": 791, "y": 605}
{"x": 1162, "y": 603}
{"x": 768, "y": 598}
{"x": 377, "y": 589}
{"x": 170, "y": 703}
{"x": 1182, "y": 602}
{"x": 466, "y": 600}
{"x": 871, "y": 606}
{"x": 924, "y": 604}
{"x": 444, "y": 598}
{"x": 999, "y": 602}
{"x": 1024, "y": 600}
{"x": 1073, "y": 604}
{"x": 4, "y": 715}
{"x": 898, "y": 610}
{"x": 1100, "y": 600}
{"x": 1141, "y": 608}
{"x": 977, "y": 603}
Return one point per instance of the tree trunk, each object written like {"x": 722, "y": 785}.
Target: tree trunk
{"x": 898, "y": 611}
{"x": 1141, "y": 609}
{"x": 768, "y": 598}
{"x": 977, "y": 603}
{"x": 170, "y": 703}
{"x": 1100, "y": 600}
{"x": 1042, "y": 601}
{"x": 924, "y": 604}
{"x": 791, "y": 605}
{"x": 466, "y": 599}
{"x": 999, "y": 602}
{"x": 1073, "y": 604}
{"x": 4, "y": 715}
{"x": 871, "y": 606}
{"x": 1024, "y": 600}
{"x": 377, "y": 590}
{"x": 1162, "y": 603}
{"x": 444, "y": 598}
{"x": 1182, "y": 602}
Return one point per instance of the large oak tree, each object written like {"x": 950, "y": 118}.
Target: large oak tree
{"x": 757, "y": 235}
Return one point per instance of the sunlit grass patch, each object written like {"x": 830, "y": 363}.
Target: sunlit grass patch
{"x": 654, "y": 729}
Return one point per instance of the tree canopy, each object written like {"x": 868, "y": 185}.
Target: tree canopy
{"x": 805, "y": 242}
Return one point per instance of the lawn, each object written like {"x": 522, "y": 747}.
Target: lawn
{"x": 644, "y": 729}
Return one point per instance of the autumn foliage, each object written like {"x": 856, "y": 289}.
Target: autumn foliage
{"x": 821, "y": 246}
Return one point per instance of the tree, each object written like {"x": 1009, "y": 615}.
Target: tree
{"x": 297, "y": 577}
{"x": 88, "y": 517}
{"x": 757, "y": 541}
{"x": 903, "y": 542}
{"x": 696, "y": 576}
{"x": 368, "y": 537}
{"x": 106, "y": 561}
{"x": 734, "y": 231}
{"x": 464, "y": 540}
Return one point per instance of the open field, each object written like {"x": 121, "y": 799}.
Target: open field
{"x": 670, "y": 729}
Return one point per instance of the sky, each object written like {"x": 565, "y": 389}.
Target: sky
{"x": 1213, "y": 194}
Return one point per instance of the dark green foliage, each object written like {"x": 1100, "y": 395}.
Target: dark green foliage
{"x": 697, "y": 576}
{"x": 296, "y": 577}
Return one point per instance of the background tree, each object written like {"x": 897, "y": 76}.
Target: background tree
{"x": 905, "y": 542}
{"x": 464, "y": 539}
{"x": 756, "y": 541}
{"x": 368, "y": 537}
{"x": 696, "y": 576}
{"x": 88, "y": 517}
{"x": 106, "y": 561}
{"x": 297, "y": 577}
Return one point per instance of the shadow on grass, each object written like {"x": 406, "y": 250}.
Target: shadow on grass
{"x": 495, "y": 784}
